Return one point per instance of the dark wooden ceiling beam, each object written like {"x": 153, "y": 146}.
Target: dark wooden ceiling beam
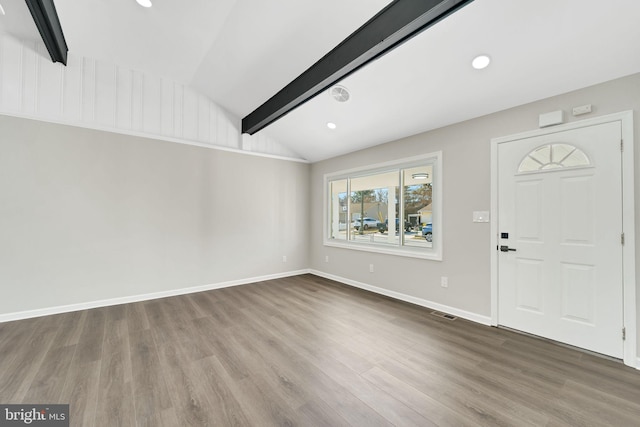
{"x": 46, "y": 18}
{"x": 392, "y": 26}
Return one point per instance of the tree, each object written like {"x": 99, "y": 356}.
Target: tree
{"x": 417, "y": 197}
{"x": 382, "y": 195}
{"x": 363, "y": 196}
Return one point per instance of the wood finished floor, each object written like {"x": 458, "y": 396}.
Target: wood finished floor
{"x": 303, "y": 351}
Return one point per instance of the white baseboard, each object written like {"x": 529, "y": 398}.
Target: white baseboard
{"x": 474, "y": 317}
{"x": 8, "y": 317}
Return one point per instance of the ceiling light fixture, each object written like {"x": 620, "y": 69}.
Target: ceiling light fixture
{"x": 480, "y": 62}
{"x": 144, "y": 3}
{"x": 420, "y": 175}
{"x": 331, "y": 125}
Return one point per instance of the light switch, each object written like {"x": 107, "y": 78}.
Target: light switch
{"x": 480, "y": 216}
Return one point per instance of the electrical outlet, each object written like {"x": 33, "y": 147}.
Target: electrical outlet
{"x": 444, "y": 281}
{"x": 326, "y": 258}
{"x": 370, "y": 268}
{"x": 284, "y": 258}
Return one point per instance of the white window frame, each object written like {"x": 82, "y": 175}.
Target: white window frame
{"x": 433, "y": 253}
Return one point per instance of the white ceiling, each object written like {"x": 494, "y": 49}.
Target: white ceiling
{"x": 17, "y": 20}
{"x": 241, "y": 52}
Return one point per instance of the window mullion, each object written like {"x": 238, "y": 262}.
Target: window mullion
{"x": 348, "y": 220}
{"x": 401, "y": 209}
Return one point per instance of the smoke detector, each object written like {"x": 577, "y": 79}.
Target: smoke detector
{"x": 339, "y": 93}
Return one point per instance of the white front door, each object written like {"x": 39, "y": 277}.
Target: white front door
{"x": 559, "y": 231}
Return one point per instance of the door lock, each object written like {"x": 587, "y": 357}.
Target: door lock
{"x": 504, "y": 248}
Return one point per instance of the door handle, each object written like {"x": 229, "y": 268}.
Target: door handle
{"x": 506, "y": 249}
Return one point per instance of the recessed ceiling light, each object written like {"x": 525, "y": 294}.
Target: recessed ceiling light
{"x": 144, "y": 3}
{"x": 480, "y": 62}
{"x": 331, "y": 125}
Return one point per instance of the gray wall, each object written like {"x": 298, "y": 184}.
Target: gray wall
{"x": 88, "y": 215}
{"x": 466, "y": 155}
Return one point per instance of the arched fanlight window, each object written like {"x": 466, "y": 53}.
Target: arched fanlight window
{"x": 554, "y": 156}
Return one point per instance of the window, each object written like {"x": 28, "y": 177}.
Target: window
{"x": 390, "y": 208}
{"x": 553, "y": 156}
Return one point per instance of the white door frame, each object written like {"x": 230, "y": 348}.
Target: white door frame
{"x": 631, "y": 358}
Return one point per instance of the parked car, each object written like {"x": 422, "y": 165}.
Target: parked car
{"x": 427, "y": 232}
{"x": 368, "y": 223}
{"x": 384, "y": 226}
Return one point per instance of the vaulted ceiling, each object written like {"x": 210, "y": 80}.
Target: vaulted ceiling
{"x": 241, "y": 52}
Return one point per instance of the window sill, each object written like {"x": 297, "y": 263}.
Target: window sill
{"x": 404, "y": 252}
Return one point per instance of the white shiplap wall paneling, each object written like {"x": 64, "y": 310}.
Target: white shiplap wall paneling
{"x": 152, "y": 90}
{"x": 88, "y": 90}
{"x": 98, "y": 94}
{"x": 214, "y": 122}
{"x": 124, "y": 102}
{"x": 190, "y": 115}
{"x": 137, "y": 96}
{"x": 178, "y": 108}
{"x": 233, "y": 132}
{"x": 221, "y": 131}
{"x": 166, "y": 108}
{"x": 50, "y": 85}
{"x": 105, "y": 92}
{"x": 203, "y": 119}
{"x": 72, "y": 89}
{"x": 11, "y": 64}
{"x": 29, "y": 77}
